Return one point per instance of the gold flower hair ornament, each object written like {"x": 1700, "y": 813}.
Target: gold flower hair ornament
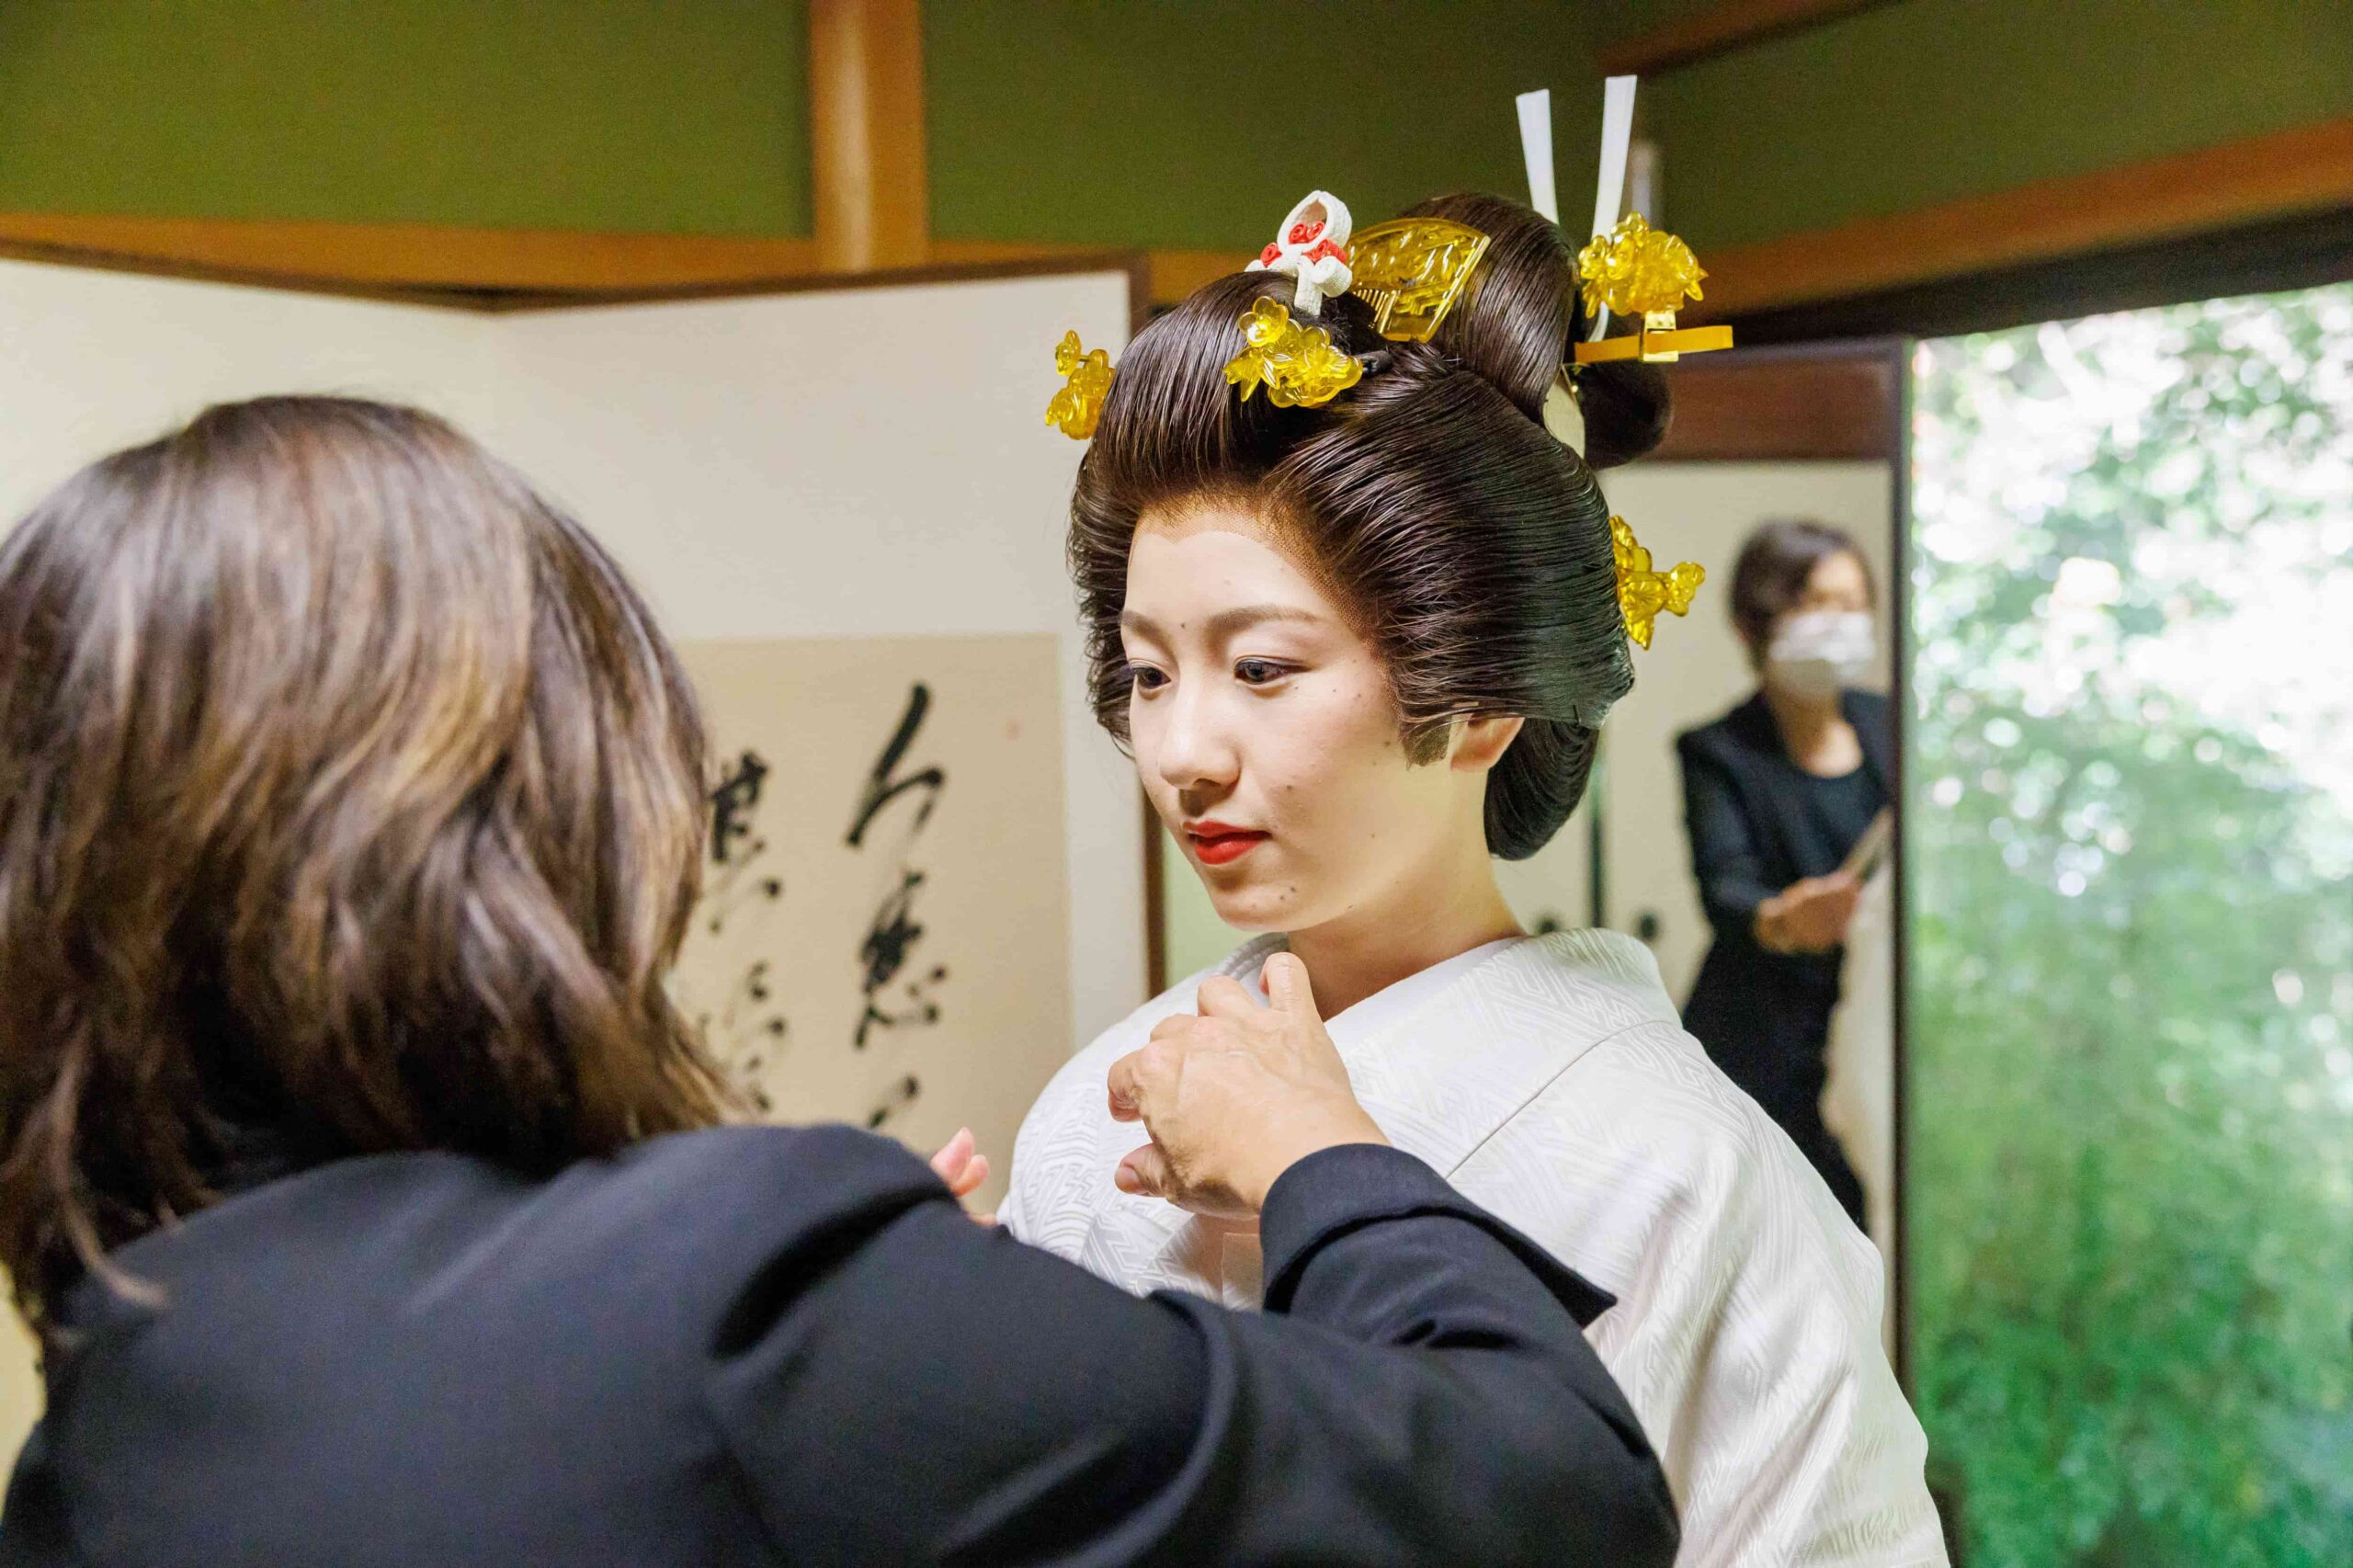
{"x": 1636, "y": 270}
{"x": 1296, "y": 364}
{"x": 1642, "y": 593}
{"x": 1411, "y": 270}
{"x": 1086, "y": 381}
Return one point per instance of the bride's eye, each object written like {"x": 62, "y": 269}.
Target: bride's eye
{"x": 1259, "y": 672}
{"x": 1146, "y": 678}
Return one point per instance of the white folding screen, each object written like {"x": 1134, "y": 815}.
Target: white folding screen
{"x": 842, "y": 462}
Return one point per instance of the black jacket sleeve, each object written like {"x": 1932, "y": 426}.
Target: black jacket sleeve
{"x": 1723, "y": 850}
{"x": 1417, "y": 1392}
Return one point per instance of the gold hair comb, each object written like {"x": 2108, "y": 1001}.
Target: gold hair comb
{"x": 1636, "y": 270}
{"x": 1086, "y": 376}
{"x": 1411, "y": 270}
{"x": 1642, "y": 593}
{"x": 1297, "y": 365}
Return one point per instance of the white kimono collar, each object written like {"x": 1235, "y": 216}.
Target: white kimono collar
{"x": 1445, "y": 1070}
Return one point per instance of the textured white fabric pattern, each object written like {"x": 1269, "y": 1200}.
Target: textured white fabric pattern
{"x": 1551, "y": 1082}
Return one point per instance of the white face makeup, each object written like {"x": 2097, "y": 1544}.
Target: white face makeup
{"x": 1268, "y": 738}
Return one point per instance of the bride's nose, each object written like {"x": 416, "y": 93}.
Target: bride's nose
{"x": 1198, "y": 750}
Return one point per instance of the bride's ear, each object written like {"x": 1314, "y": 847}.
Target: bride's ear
{"x": 1479, "y": 744}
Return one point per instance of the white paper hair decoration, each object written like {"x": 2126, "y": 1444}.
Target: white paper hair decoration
{"x": 1312, "y": 246}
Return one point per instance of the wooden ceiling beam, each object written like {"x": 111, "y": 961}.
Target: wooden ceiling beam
{"x": 397, "y": 257}
{"x": 2308, "y": 169}
{"x": 869, "y": 172}
{"x": 1717, "y": 29}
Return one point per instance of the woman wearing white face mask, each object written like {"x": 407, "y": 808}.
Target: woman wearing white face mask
{"x": 1779, "y": 793}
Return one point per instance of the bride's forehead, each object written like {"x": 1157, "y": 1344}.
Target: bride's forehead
{"x": 1207, "y": 541}
{"x": 1197, "y": 515}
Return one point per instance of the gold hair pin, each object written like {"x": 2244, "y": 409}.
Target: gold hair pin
{"x": 1636, "y": 270}
{"x": 1296, "y": 364}
{"x": 1411, "y": 270}
{"x": 1086, "y": 376}
{"x": 1642, "y": 593}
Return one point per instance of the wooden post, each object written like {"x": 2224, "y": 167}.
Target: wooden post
{"x": 865, "y": 106}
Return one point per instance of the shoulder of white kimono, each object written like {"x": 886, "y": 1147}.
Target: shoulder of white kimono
{"x": 1649, "y": 1145}
{"x": 1055, "y": 1182}
{"x": 1747, "y": 1325}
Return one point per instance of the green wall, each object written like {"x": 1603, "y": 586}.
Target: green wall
{"x": 1922, "y": 101}
{"x": 688, "y": 116}
{"x": 1197, "y": 123}
{"x": 1184, "y": 124}
{"x": 1169, "y": 122}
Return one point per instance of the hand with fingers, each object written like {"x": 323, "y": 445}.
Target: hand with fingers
{"x": 1809, "y": 916}
{"x": 963, "y": 1167}
{"x": 1236, "y": 1097}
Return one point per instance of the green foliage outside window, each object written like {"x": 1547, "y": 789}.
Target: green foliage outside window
{"x": 2131, "y": 825}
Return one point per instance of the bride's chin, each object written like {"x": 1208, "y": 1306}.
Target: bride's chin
{"x": 1252, "y": 909}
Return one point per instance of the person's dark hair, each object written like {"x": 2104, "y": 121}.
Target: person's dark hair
{"x": 351, "y": 802}
{"x": 1470, "y": 547}
{"x": 1770, "y": 576}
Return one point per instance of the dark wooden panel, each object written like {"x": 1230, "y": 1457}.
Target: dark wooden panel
{"x": 2262, "y": 179}
{"x": 430, "y": 262}
{"x": 2292, "y": 253}
{"x": 1719, "y": 29}
{"x": 1819, "y": 402}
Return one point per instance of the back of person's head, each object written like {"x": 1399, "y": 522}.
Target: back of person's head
{"x": 1470, "y": 547}
{"x": 351, "y": 802}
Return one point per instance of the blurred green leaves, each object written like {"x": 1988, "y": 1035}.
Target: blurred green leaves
{"x": 2131, "y": 1028}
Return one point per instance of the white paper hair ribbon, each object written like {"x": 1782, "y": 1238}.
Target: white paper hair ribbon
{"x": 1313, "y": 247}
{"x": 1563, "y": 417}
{"x": 1616, "y": 135}
{"x": 1536, "y": 151}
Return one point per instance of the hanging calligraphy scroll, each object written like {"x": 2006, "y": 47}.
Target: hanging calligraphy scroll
{"x": 883, "y": 933}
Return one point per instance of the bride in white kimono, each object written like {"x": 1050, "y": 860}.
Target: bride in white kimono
{"x": 1359, "y": 638}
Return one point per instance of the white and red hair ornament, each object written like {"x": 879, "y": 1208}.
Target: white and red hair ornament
{"x": 1312, "y": 246}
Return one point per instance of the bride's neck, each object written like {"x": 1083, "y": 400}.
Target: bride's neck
{"x": 1427, "y": 920}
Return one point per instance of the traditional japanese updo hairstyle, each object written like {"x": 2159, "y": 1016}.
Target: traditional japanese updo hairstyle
{"x": 1467, "y": 544}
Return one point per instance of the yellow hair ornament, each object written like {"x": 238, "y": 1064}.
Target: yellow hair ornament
{"x": 1411, "y": 270}
{"x": 1636, "y": 270}
{"x": 1642, "y": 593}
{"x": 1296, "y": 364}
{"x": 1087, "y": 377}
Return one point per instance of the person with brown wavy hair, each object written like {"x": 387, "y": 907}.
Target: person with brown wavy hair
{"x": 353, "y": 804}
{"x": 1361, "y": 646}
{"x": 373, "y": 1200}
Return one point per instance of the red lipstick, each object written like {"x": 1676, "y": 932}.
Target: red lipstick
{"x": 1222, "y": 844}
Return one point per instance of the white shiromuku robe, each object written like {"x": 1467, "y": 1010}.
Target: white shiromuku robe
{"x": 1549, "y": 1079}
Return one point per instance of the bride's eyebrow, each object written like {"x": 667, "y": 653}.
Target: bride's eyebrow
{"x": 1224, "y": 623}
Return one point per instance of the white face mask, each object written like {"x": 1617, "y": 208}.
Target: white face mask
{"x": 1818, "y": 654}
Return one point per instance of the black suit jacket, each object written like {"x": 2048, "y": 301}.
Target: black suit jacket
{"x": 1764, "y": 1015}
{"x": 763, "y": 1345}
